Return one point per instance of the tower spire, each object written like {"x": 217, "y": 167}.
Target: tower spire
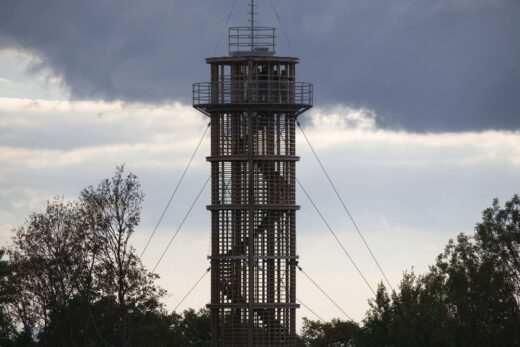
{"x": 252, "y": 20}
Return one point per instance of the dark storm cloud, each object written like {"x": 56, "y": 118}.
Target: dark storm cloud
{"x": 422, "y": 65}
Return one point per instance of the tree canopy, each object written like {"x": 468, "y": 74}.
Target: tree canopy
{"x": 72, "y": 278}
{"x": 469, "y": 297}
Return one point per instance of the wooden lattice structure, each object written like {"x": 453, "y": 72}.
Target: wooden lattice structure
{"x": 253, "y": 101}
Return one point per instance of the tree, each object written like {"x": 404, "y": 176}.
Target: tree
{"x": 76, "y": 279}
{"x": 336, "y": 333}
{"x": 191, "y": 328}
{"x": 468, "y": 298}
{"x": 376, "y": 327}
{"x": 498, "y": 237}
{"x": 7, "y": 329}
{"x": 114, "y": 207}
{"x": 50, "y": 270}
{"x": 481, "y": 278}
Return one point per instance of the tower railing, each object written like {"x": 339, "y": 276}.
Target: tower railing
{"x": 227, "y": 92}
{"x": 256, "y": 40}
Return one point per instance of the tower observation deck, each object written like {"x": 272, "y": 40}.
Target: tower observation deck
{"x": 253, "y": 101}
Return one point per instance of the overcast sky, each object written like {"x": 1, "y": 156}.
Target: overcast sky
{"x": 417, "y": 118}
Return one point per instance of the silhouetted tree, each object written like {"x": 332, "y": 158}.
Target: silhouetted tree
{"x": 114, "y": 207}
{"x": 71, "y": 278}
{"x": 335, "y": 333}
{"x": 7, "y": 329}
{"x": 50, "y": 270}
{"x": 470, "y": 297}
{"x": 77, "y": 280}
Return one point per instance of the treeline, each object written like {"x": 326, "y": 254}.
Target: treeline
{"x": 470, "y": 297}
{"x": 71, "y": 278}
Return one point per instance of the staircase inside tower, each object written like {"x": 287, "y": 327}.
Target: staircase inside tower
{"x": 272, "y": 233}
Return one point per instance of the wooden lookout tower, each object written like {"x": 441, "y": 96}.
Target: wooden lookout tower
{"x": 253, "y": 101}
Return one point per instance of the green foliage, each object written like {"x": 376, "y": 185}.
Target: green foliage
{"x": 191, "y": 328}
{"x": 470, "y": 297}
{"x": 335, "y": 333}
{"x": 71, "y": 278}
{"x": 6, "y": 298}
{"x": 76, "y": 279}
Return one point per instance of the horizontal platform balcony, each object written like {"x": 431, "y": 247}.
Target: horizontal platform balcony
{"x": 255, "y": 305}
{"x": 255, "y": 207}
{"x": 227, "y": 92}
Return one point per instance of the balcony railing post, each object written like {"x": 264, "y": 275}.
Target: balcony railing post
{"x": 264, "y": 91}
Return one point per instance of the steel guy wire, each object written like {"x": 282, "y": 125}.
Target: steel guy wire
{"x": 344, "y": 205}
{"x": 301, "y": 302}
{"x": 224, "y": 28}
{"x": 324, "y": 293}
{"x": 182, "y": 223}
{"x": 308, "y": 308}
{"x": 192, "y": 288}
{"x": 283, "y": 28}
{"x": 174, "y": 192}
{"x": 336, "y": 237}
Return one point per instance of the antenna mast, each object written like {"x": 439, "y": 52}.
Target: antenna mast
{"x": 252, "y": 20}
